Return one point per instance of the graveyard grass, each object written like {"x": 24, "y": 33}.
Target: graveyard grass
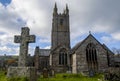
{"x": 4, "y": 78}
{"x": 58, "y": 77}
{"x": 73, "y": 77}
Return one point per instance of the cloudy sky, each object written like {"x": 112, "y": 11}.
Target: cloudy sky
{"x": 101, "y": 17}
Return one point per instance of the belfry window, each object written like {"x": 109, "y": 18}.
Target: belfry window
{"x": 62, "y": 57}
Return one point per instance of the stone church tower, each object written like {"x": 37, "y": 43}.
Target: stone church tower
{"x": 60, "y": 28}
{"x": 60, "y": 38}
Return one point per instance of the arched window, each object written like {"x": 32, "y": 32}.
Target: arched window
{"x": 61, "y": 21}
{"x": 63, "y": 57}
{"x": 91, "y": 56}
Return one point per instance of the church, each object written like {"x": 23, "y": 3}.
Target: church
{"x": 86, "y": 55}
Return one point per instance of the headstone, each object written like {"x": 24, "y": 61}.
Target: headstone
{"x": 69, "y": 69}
{"x": 51, "y": 73}
{"x": 91, "y": 73}
{"x": 23, "y": 70}
{"x": 45, "y": 73}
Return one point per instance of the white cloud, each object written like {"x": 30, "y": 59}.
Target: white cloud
{"x": 88, "y": 15}
{"x": 47, "y": 47}
{"x": 8, "y": 50}
{"x": 34, "y": 13}
{"x": 44, "y": 40}
{"x": 85, "y": 16}
{"x": 116, "y": 36}
{"x": 6, "y": 39}
{"x": 106, "y": 39}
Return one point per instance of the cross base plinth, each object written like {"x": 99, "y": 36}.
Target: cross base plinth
{"x": 29, "y": 72}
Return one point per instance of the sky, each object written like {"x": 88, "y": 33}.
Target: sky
{"x": 101, "y": 17}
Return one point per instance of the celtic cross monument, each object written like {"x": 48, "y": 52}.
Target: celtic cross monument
{"x": 22, "y": 70}
{"x": 24, "y": 40}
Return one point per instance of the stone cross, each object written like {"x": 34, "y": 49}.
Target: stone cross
{"x": 24, "y": 40}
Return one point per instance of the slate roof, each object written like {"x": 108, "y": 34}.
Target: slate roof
{"x": 44, "y": 52}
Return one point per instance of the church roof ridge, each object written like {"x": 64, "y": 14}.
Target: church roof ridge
{"x": 44, "y": 52}
{"x": 80, "y": 43}
{"x": 104, "y": 46}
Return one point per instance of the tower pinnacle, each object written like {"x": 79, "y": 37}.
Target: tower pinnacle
{"x": 67, "y": 10}
{"x": 55, "y": 9}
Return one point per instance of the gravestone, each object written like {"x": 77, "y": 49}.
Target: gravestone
{"x": 91, "y": 73}
{"x": 45, "y": 73}
{"x": 51, "y": 73}
{"x": 23, "y": 70}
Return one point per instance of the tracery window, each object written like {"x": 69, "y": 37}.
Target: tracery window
{"x": 91, "y": 56}
{"x": 63, "y": 57}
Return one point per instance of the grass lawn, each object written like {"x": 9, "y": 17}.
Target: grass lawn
{"x": 58, "y": 77}
{"x": 73, "y": 77}
{"x": 2, "y": 76}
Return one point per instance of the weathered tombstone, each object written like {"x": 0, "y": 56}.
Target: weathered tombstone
{"x": 45, "y": 73}
{"x": 51, "y": 73}
{"x": 69, "y": 69}
{"x": 23, "y": 70}
{"x": 91, "y": 73}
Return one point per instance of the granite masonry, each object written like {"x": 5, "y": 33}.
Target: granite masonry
{"x": 23, "y": 70}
